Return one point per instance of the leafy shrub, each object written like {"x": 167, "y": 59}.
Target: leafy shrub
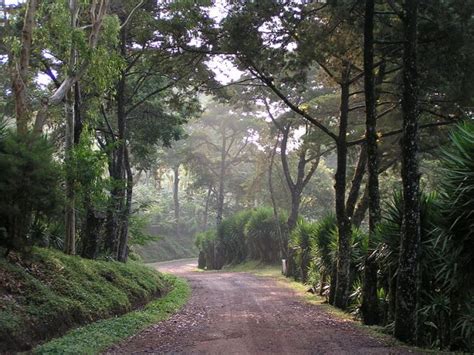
{"x": 249, "y": 234}
{"x": 301, "y": 239}
{"x": 232, "y": 242}
{"x": 28, "y": 188}
{"x": 323, "y": 253}
{"x": 266, "y": 238}
{"x": 434, "y": 311}
{"x": 205, "y": 242}
{"x": 322, "y": 256}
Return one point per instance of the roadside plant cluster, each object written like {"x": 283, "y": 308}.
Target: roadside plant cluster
{"x": 247, "y": 235}
{"x": 445, "y": 315}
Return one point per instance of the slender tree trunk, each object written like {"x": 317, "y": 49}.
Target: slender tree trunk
{"x": 369, "y": 307}
{"x": 115, "y": 211}
{"x": 206, "y": 207}
{"x": 356, "y": 182}
{"x": 70, "y": 216}
{"x": 333, "y": 283}
{"x": 122, "y": 254}
{"x": 407, "y": 280}
{"x": 92, "y": 224}
{"x": 283, "y": 244}
{"x": 19, "y": 69}
{"x": 295, "y": 209}
{"x": 222, "y": 170}
{"x": 361, "y": 209}
{"x": 78, "y": 122}
{"x": 343, "y": 222}
{"x": 176, "y": 198}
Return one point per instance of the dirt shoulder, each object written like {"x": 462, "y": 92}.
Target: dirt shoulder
{"x": 240, "y": 313}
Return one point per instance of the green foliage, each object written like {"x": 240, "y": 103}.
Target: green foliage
{"x": 96, "y": 337}
{"x": 301, "y": 239}
{"x": 205, "y": 242}
{"x": 323, "y": 257}
{"x": 249, "y": 234}
{"x": 452, "y": 243}
{"x": 137, "y": 229}
{"x": 28, "y": 186}
{"x": 445, "y": 291}
{"x": 457, "y": 199}
{"x": 321, "y": 252}
{"x": 52, "y": 292}
{"x": 231, "y": 238}
{"x": 266, "y": 237}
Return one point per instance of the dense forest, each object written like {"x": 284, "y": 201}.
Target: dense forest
{"x": 334, "y": 137}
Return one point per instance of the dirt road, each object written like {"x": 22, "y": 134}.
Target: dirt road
{"x": 238, "y": 313}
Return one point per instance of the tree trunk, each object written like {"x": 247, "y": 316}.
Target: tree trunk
{"x": 222, "y": 170}
{"x": 407, "y": 280}
{"x": 283, "y": 245}
{"x": 333, "y": 283}
{"x": 361, "y": 209}
{"x": 369, "y": 307}
{"x": 343, "y": 222}
{"x": 70, "y": 218}
{"x": 92, "y": 224}
{"x": 78, "y": 122}
{"x": 176, "y": 198}
{"x": 19, "y": 69}
{"x": 206, "y": 207}
{"x": 356, "y": 182}
{"x": 122, "y": 254}
{"x": 117, "y": 171}
{"x": 70, "y": 222}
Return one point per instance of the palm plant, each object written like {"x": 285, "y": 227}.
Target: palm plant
{"x": 301, "y": 239}
{"x": 322, "y": 258}
{"x": 456, "y": 234}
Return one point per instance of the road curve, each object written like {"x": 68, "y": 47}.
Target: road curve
{"x": 238, "y": 313}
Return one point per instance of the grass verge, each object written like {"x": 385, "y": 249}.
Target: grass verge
{"x": 98, "y": 336}
{"x": 46, "y": 293}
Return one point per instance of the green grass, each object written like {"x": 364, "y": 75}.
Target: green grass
{"x": 96, "y": 337}
{"x": 49, "y": 293}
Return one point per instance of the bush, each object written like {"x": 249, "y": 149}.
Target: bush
{"x": 301, "y": 239}
{"x": 322, "y": 256}
{"x": 28, "y": 188}
{"x": 205, "y": 242}
{"x": 232, "y": 242}
{"x": 266, "y": 239}
{"x": 434, "y": 310}
{"x": 249, "y": 234}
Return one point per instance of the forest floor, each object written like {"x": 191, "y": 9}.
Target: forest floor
{"x": 242, "y": 313}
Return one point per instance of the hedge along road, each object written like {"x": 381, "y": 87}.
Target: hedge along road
{"x": 239, "y": 313}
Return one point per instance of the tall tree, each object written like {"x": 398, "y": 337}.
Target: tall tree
{"x": 221, "y": 141}
{"x": 308, "y": 154}
{"x": 407, "y": 279}
{"x": 369, "y": 305}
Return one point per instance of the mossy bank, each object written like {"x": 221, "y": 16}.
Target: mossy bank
{"x": 48, "y": 293}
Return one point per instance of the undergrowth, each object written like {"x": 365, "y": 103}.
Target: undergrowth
{"x": 96, "y": 337}
{"x": 48, "y": 293}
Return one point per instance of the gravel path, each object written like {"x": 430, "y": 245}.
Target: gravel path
{"x": 238, "y": 313}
